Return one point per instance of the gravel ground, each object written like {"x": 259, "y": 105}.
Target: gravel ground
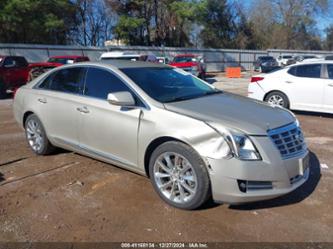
{"x": 69, "y": 197}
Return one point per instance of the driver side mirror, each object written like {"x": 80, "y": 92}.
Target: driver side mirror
{"x": 121, "y": 99}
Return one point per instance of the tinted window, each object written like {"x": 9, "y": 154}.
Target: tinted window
{"x": 167, "y": 84}
{"x": 16, "y": 61}
{"x": 46, "y": 82}
{"x": 309, "y": 71}
{"x": 21, "y": 62}
{"x": 9, "y": 61}
{"x": 99, "y": 83}
{"x": 330, "y": 70}
{"x": 67, "y": 80}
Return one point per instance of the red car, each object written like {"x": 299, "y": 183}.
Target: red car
{"x": 190, "y": 63}
{"x": 55, "y": 61}
{"x": 14, "y": 72}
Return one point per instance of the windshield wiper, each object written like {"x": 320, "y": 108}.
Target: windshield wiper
{"x": 182, "y": 98}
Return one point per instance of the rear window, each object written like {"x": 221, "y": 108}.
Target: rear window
{"x": 67, "y": 80}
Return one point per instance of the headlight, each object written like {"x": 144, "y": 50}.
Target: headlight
{"x": 239, "y": 144}
{"x": 244, "y": 148}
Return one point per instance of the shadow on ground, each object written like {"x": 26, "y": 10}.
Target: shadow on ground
{"x": 317, "y": 114}
{"x": 294, "y": 197}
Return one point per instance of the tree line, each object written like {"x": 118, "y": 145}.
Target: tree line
{"x": 284, "y": 24}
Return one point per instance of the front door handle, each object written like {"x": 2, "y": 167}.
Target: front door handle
{"x": 331, "y": 84}
{"x": 289, "y": 82}
{"x": 42, "y": 100}
{"x": 83, "y": 109}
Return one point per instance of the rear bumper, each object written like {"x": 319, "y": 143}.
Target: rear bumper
{"x": 255, "y": 91}
{"x": 226, "y": 175}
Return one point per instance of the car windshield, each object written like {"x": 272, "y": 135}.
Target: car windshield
{"x": 168, "y": 84}
{"x": 59, "y": 60}
{"x": 184, "y": 59}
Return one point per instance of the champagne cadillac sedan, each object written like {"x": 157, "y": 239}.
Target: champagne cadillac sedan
{"x": 193, "y": 141}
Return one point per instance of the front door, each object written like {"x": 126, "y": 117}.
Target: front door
{"x": 107, "y": 130}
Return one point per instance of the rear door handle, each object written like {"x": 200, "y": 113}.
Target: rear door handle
{"x": 83, "y": 109}
{"x": 289, "y": 82}
{"x": 42, "y": 100}
{"x": 331, "y": 84}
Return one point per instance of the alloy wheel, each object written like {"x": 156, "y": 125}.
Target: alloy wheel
{"x": 175, "y": 177}
{"x": 34, "y": 135}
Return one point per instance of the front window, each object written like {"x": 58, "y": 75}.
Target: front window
{"x": 168, "y": 84}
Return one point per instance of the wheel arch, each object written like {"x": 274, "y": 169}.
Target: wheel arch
{"x": 279, "y": 91}
{"x": 25, "y": 116}
{"x": 153, "y": 145}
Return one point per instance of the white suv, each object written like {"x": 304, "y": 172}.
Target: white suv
{"x": 306, "y": 86}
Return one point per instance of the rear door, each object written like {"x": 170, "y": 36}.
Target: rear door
{"x": 306, "y": 87}
{"x": 57, "y": 100}
{"x": 107, "y": 130}
{"x": 328, "y": 93}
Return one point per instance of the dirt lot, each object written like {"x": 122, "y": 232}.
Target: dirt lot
{"x": 69, "y": 197}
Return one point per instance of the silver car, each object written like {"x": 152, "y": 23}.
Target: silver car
{"x": 193, "y": 141}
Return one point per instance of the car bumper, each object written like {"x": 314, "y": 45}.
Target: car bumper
{"x": 255, "y": 91}
{"x": 265, "y": 179}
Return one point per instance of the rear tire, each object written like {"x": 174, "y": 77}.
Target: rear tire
{"x": 179, "y": 175}
{"x": 277, "y": 98}
{"x": 36, "y": 136}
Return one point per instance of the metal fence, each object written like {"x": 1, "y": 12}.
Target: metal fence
{"x": 216, "y": 59}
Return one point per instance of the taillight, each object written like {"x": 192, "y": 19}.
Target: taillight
{"x": 255, "y": 79}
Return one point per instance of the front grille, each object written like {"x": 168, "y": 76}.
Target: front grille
{"x": 289, "y": 140}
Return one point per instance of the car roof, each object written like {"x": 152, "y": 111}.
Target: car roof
{"x": 68, "y": 56}
{"x": 128, "y": 64}
{"x": 115, "y": 54}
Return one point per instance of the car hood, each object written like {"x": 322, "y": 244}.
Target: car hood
{"x": 250, "y": 116}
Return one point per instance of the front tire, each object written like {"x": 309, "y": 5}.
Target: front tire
{"x": 36, "y": 136}
{"x": 277, "y": 98}
{"x": 179, "y": 175}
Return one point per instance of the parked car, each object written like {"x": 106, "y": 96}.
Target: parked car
{"x": 39, "y": 68}
{"x": 148, "y": 58}
{"x": 163, "y": 60}
{"x": 265, "y": 64}
{"x": 191, "y": 63}
{"x": 115, "y": 55}
{"x": 306, "y": 86}
{"x": 300, "y": 58}
{"x": 283, "y": 59}
{"x": 192, "y": 140}
{"x": 14, "y": 72}
{"x": 319, "y": 58}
